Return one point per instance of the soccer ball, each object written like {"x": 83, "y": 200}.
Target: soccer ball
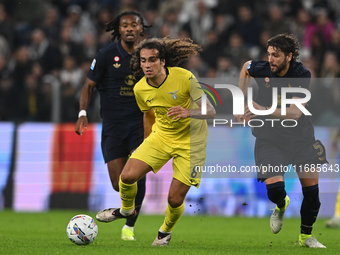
{"x": 82, "y": 229}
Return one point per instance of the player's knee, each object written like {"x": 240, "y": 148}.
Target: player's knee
{"x": 127, "y": 177}
{"x": 175, "y": 201}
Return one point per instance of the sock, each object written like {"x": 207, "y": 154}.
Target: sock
{"x": 337, "y": 205}
{"x": 172, "y": 215}
{"x": 276, "y": 193}
{"x": 138, "y": 201}
{"x": 309, "y": 208}
{"x": 127, "y": 194}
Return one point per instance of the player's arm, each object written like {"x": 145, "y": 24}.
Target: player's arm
{"x": 180, "y": 112}
{"x": 243, "y": 84}
{"x": 149, "y": 120}
{"x": 85, "y": 98}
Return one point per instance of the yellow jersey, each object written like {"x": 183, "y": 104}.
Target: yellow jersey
{"x": 180, "y": 87}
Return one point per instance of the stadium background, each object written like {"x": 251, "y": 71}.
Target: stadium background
{"x": 47, "y": 47}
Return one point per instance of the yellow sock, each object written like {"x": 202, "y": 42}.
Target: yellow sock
{"x": 337, "y": 205}
{"x": 172, "y": 215}
{"x": 127, "y": 195}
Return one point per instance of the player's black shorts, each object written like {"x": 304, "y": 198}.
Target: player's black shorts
{"x": 272, "y": 159}
{"x": 119, "y": 139}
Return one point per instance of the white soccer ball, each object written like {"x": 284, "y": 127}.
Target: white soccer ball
{"x": 82, "y": 229}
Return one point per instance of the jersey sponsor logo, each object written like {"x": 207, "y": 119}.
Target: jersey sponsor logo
{"x": 130, "y": 80}
{"x": 249, "y": 65}
{"x": 116, "y": 58}
{"x": 116, "y": 65}
{"x": 173, "y": 94}
{"x": 93, "y": 64}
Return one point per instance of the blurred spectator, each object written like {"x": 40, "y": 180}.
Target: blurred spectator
{"x": 171, "y": 18}
{"x": 335, "y": 43}
{"x": 4, "y": 48}
{"x": 276, "y": 24}
{"x": 322, "y": 25}
{"x": 299, "y": 24}
{"x": 41, "y": 50}
{"x": 20, "y": 66}
{"x": 290, "y": 7}
{"x": 200, "y": 23}
{"x": 52, "y": 25}
{"x": 318, "y": 48}
{"x": 80, "y": 23}
{"x": 71, "y": 77}
{"x": 330, "y": 67}
{"x": 236, "y": 51}
{"x": 152, "y": 18}
{"x": 225, "y": 69}
{"x": 90, "y": 46}
{"x": 212, "y": 50}
{"x": 196, "y": 66}
{"x": 248, "y": 26}
{"x": 8, "y": 98}
{"x": 223, "y": 25}
{"x": 6, "y": 28}
{"x": 69, "y": 48}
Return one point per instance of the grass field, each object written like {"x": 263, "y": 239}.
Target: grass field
{"x": 45, "y": 233}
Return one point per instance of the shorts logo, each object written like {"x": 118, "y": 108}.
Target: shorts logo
{"x": 93, "y": 64}
{"x": 173, "y": 94}
{"x": 249, "y": 65}
{"x": 116, "y": 58}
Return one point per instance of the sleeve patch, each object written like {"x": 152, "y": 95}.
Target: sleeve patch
{"x": 93, "y": 64}
{"x": 249, "y": 65}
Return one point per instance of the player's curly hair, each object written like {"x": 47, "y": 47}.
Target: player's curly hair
{"x": 287, "y": 43}
{"x": 173, "y": 51}
{"x": 113, "y": 25}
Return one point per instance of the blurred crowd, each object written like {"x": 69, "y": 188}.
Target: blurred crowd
{"x": 47, "y": 46}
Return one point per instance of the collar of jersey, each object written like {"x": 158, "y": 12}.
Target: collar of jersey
{"x": 121, "y": 50}
{"x": 166, "y": 77}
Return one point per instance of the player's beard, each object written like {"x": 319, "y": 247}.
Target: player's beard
{"x": 281, "y": 67}
{"x": 129, "y": 43}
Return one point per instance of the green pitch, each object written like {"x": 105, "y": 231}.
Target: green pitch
{"x": 45, "y": 233}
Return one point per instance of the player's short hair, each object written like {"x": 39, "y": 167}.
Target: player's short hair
{"x": 286, "y": 43}
{"x": 173, "y": 51}
{"x": 113, "y": 25}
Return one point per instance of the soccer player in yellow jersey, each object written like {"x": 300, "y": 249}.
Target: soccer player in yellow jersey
{"x": 174, "y": 125}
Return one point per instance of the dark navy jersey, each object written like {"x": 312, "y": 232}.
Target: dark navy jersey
{"x": 115, "y": 81}
{"x": 297, "y": 76}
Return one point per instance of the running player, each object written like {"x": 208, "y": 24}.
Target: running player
{"x": 122, "y": 130}
{"x": 170, "y": 98}
{"x": 277, "y": 145}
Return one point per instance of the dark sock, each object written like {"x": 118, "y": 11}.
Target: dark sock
{"x": 138, "y": 201}
{"x": 276, "y": 193}
{"x": 309, "y": 208}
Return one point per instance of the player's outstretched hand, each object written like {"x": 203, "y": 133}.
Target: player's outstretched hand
{"x": 179, "y": 111}
{"x": 82, "y": 122}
